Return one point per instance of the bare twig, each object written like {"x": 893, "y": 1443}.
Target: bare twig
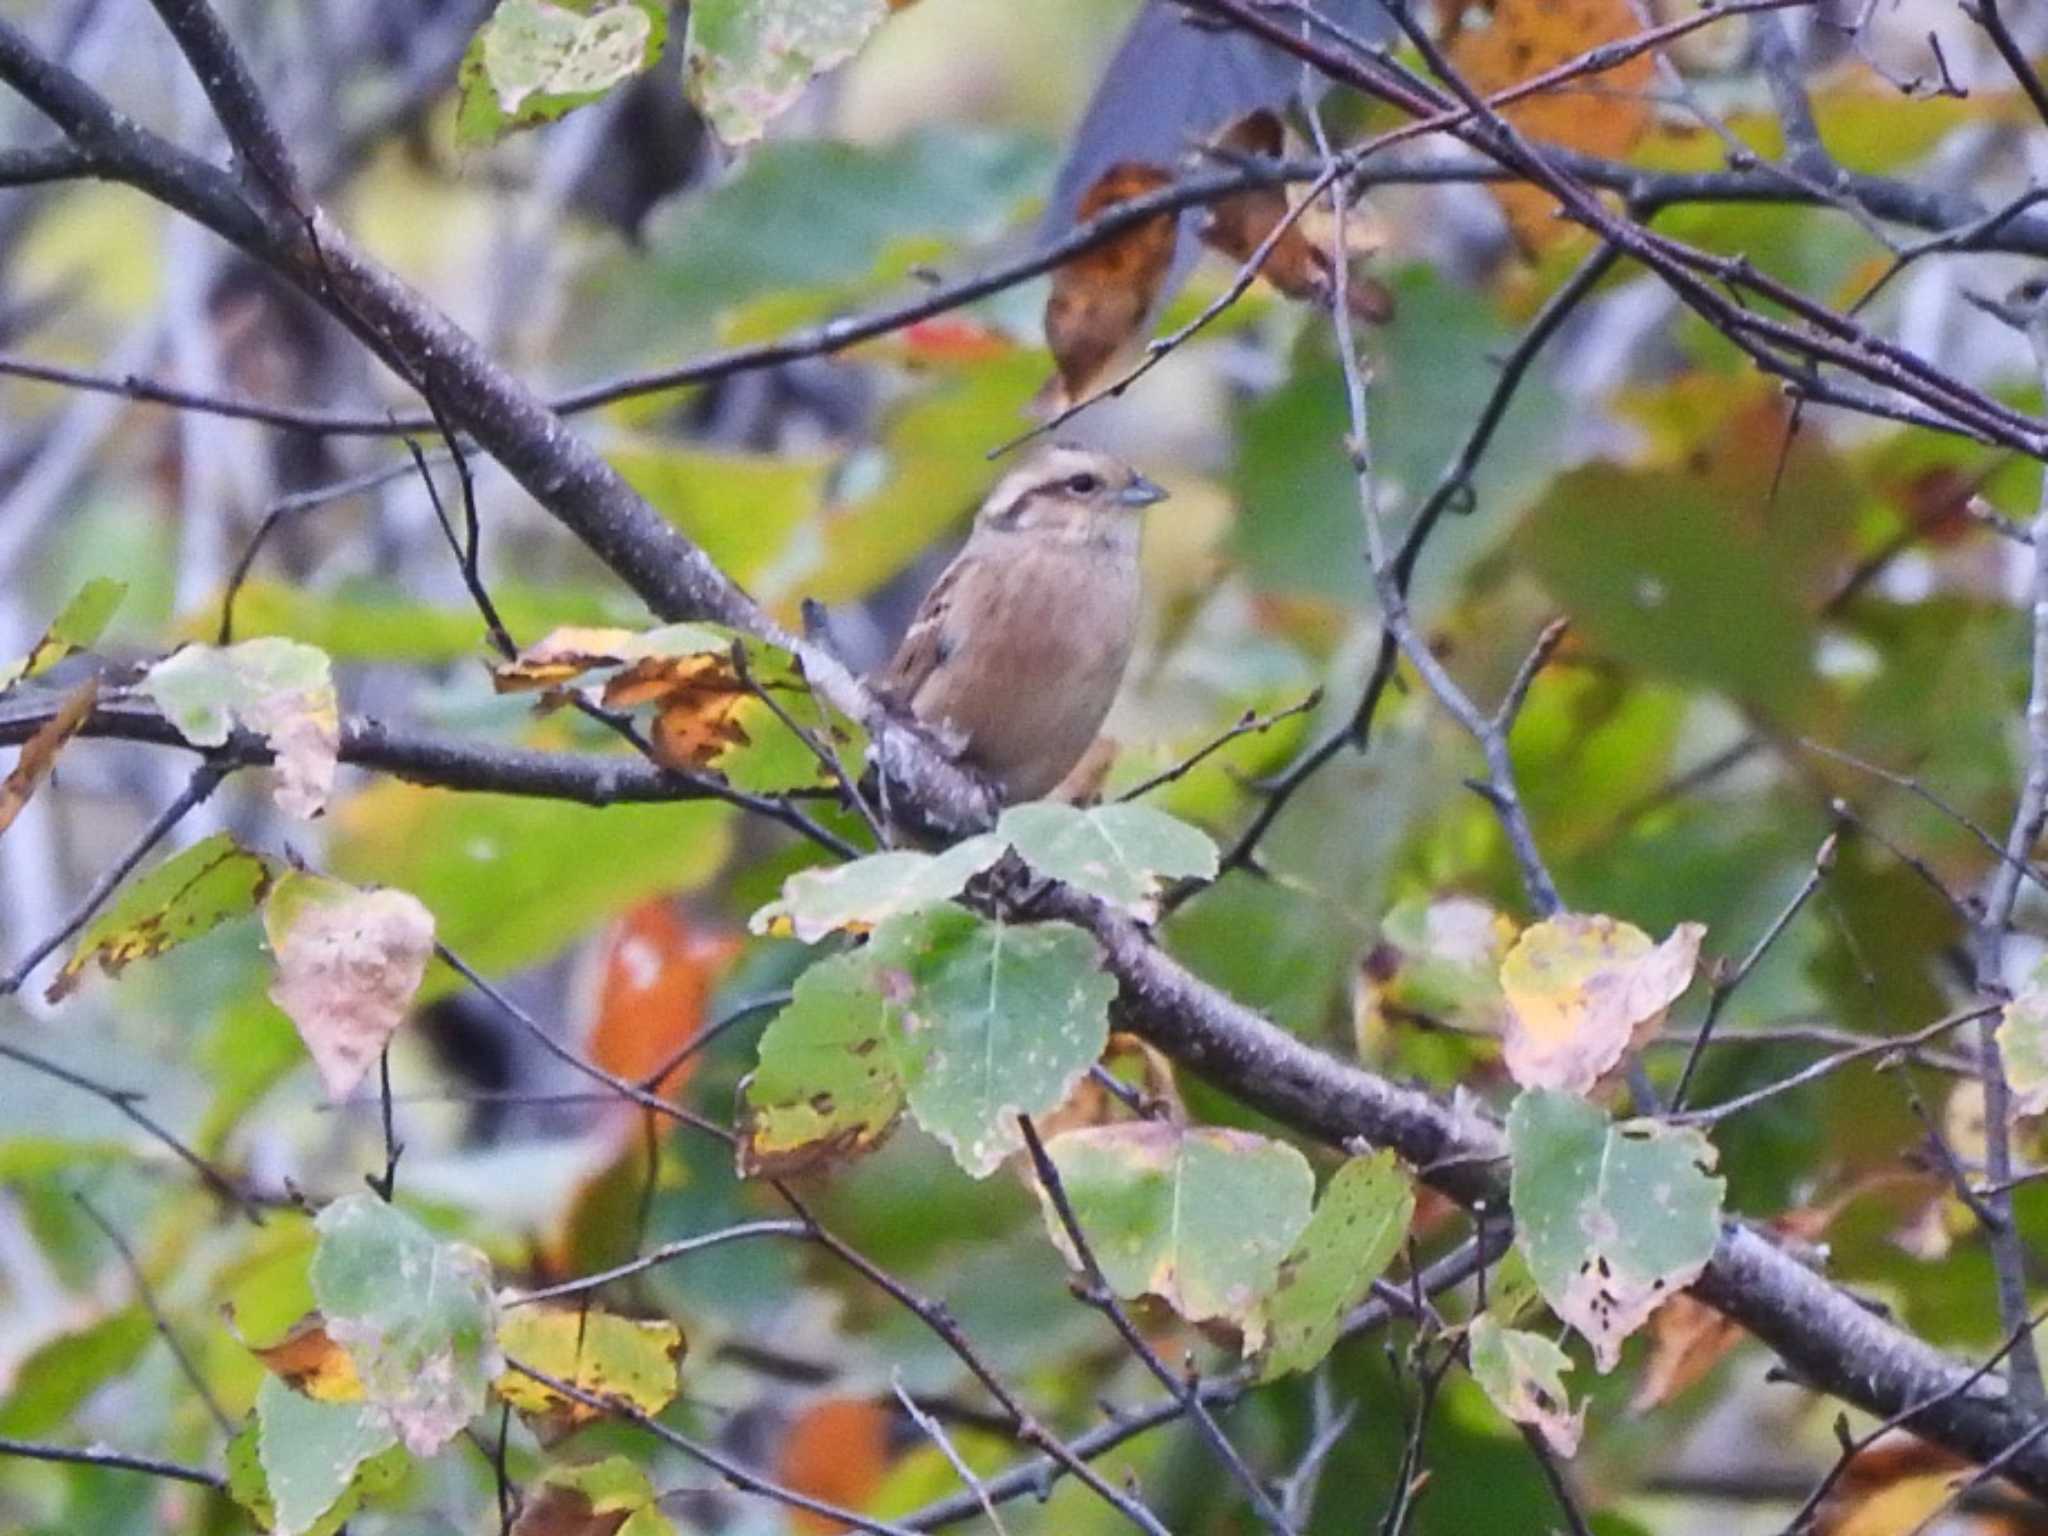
{"x": 146, "y": 1294}
{"x": 657, "y": 1257}
{"x": 98, "y": 1456}
{"x": 936, "y": 1433}
{"x": 1724, "y": 988}
{"x": 205, "y": 779}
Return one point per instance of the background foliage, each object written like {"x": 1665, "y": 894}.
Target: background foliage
{"x": 721, "y": 1179}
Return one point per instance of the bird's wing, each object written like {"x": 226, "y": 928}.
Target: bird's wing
{"x": 928, "y": 641}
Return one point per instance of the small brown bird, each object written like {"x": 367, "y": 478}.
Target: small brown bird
{"x": 1017, "y": 651}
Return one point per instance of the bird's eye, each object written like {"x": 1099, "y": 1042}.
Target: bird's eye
{"x": 1085, "y": 484}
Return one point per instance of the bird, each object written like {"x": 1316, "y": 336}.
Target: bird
{"x": 1017, "y": 651}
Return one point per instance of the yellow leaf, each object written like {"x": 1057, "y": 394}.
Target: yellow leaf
{"x": 1578, "y": 987}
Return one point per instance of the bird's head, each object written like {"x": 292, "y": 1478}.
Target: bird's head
{"x": 1069, "y": 492}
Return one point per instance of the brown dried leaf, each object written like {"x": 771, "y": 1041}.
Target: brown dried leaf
{"x": 39, "y": 752}
{"x": 1102, "y": 298}
{"x": 1302, "y": 262}
{"x": 697, "y": 702}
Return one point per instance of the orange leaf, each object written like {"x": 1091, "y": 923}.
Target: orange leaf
{"x": 39, "y": 752}
{"x": 1298, "y": 265}
{"x": 308, "y": 1360}
{"x": 838, "y": 1451}
{"x": 561, "y": 655}
{"x": 1101, "y": 298}
{"x": 697, "y": 700}
{"x": 953, "y": 339}
{"x": 656, "y": 974}
{"x": 1600, "y": 115}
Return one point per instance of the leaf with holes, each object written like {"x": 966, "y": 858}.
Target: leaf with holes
{"x": 595, "y": 1351}
{"x": 349, "y": 962}
{"x": 1523, "y": 1373}
{"x": 1199, "y": 1216}
{"x": 1122, "y": 853}
{"x": 1358, "y": 1226}
{"x": 749, "y": 60}
{"x": 858, "y": 895}
{"x": 187, "y": 895}
{"x": 416, "y": 1315}
{"x": 279, "y": 689}
{"x": 1614, "y": 1219}
{"x": 829, "y": 1084}
{"x": 534, "y": 61}
{"x": 998, "y": 1020}
{"x": 1579, "y": 987}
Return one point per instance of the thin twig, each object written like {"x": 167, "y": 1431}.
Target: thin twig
{"x": 655, "y": 1258}
{"x": 98, "y": 1456}
{"x": 740, "y": 1476}
{"x": 1247, "y": 724}
{"x": 206, "y": 778}
{"x": 146, "y": 1294}
{"x": 1725, "y": 987}
{"x": 1891, "y": 1045}
{"x": 936, "y": 1433}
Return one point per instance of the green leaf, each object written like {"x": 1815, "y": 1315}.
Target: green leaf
{"x": 1358, "y": 1226}
{"x": 1198, "y": 1216}
{"x": 862, "y": 893}
{"x": 534, "y": 61}
{"x": 2023, "y": 1041}
{"x": 999, "y": 1020}
{"x": 311, "y": 1457}
{"x": 1121, "y": 852}
{"x": 749, "y": 60}
{"x": 77, "y": 627}
{"x": 597, "y": 1351}
{"x": 187, "y": 895}
{"x": 1440, "y": 958}
{"x": 823, "y": 221}
{"x": 1298, "y": 529}
{"x": 60, "y": 1375}
{"x": 367, "y": 620}
{"x": 415, "y": 1314}
{"x": 1523, "y": 1373}
{"x": 740, "y": 509}
{"x": 511, "y": 880}
{"x": 279, "y": 689}
{"x": 1614, "y": 1219}
{"x": 829, "y": 1084}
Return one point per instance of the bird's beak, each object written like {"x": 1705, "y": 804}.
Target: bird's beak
{"x": 1140, "y": 493}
